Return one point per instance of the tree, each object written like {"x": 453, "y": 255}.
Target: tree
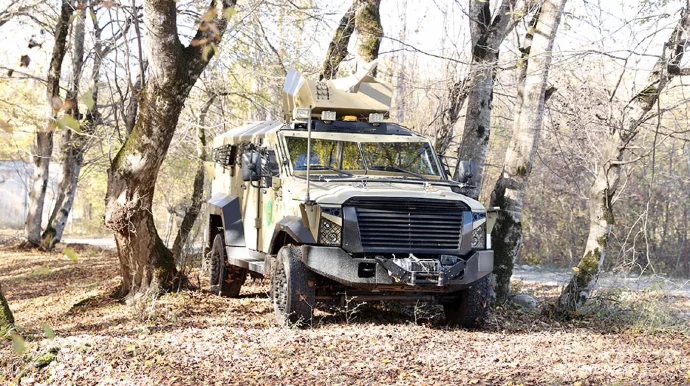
{"x": 146, "y": 263}
{"x": 192, "y": 213}
{"x": 369, "y": 31}
{"x": 6, "y": 318}
{"x": 337, "y": 49}
{"x": 509, "y": 192}
{"x": 20, "y": 8}
{"x": 44, "y": 136}
{"x": 613, "y": 147}
{"x": 399, "y": 77}
{"x": 362, "y": 17}
{"x": 487, "y": 33}
{"x": 72, "y": 146}
{"x": 132, "y": 108}
{"x": 75, "y": 142}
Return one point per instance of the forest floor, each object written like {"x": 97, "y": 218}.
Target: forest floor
{"x": 70, "y": 330}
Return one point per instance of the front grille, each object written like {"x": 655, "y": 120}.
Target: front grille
{"x": 390, "y": 225}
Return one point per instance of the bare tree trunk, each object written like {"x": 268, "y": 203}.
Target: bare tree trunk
{"x": 147, "y": 265}
{"x": 363, "y": 16}
{"x": 487, "y": 34}
{"x": 614, "y": 145}
{"x": 132, "y": 111}
{"x": 49, "y": 231}
{"x": 75, "y": 162}
{"x": 192, "y": 213}
{"x": 509, "y": 192}
{"x": 337, "y": 49}
{"x": 79, "y": 142}
{"x": 6, "y": 317}
{"x": 399, "y": 73}
{"x": 450, "y": 114}
{"x": 601, "y": 220}
{"x": 685, "y": 250}
{"x": 72, "y": 145}
{"x": 661, "y": 254}
{"x": 369, "y": 29}
{"x": 44, "y": 137}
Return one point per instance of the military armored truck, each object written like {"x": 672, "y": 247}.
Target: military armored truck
{"x": 336, "y": 203}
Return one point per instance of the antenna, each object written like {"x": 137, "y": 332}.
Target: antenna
{"x": 308, "y": 198}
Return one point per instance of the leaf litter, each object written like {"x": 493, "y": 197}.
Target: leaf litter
{"x": 73, "y": 330}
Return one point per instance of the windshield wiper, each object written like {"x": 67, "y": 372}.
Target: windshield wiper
{"x": 324, "y": 167}
{"x": 397, "y": 169}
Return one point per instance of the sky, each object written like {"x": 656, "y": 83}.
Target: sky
{"x": 619, "y": 28}
{"x": 439, "y": 28}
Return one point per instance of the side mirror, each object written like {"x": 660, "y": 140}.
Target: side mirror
{"x": 465, "y": 171}
{"x": 251, "y": 166}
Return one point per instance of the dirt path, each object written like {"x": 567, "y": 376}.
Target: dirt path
{"x": 103, "y": 242}
{"x": 525, "y": 273}
{"x": 560, "y": 277}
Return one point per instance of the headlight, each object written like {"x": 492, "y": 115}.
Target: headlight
{"x": 479, "y": 237}
{"x": 479, "y": 230}
{"x": 330, "y": 226}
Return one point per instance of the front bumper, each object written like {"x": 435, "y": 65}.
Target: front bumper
{"x": 380, "y": 273}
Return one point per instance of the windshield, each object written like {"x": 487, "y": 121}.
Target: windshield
{"x": 411, "y": 158}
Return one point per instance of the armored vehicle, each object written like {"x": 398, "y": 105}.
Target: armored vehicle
{"x": 336, "y": 203}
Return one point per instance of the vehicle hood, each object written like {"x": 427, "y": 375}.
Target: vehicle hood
{"x": 336, "y": 192}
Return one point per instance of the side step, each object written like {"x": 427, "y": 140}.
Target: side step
{"x": 252, "y": 266}
{"x": 250, "y": 259}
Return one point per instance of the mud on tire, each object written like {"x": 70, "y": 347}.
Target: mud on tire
{"x": 292, "y": 288}
{"x": 472, "y": 306}
{"x": 225, "y": 279}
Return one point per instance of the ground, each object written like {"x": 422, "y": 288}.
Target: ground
{"x": 194, "y": 337}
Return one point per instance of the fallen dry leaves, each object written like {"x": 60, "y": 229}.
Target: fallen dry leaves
{"x": 197, "y": 338}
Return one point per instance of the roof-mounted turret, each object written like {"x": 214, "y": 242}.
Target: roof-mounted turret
{"x": 357, "y": 95}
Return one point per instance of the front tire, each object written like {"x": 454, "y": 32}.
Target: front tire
{"x": 470, "y": 309}
{"x": 225, "y": 279}
{"x": 292, "y": 288}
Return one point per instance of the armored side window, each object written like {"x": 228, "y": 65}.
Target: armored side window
{"x": 225, "y": 155}
{"x": 272, "y": 164}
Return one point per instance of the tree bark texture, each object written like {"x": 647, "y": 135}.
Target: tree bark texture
{"x": 449, "y": 114}
{"x": 49, "y": 232}
{"x": 337, "y": 49}
{"x": 509, "y": 192}
{"x": 192, "y": 213}
{"x": 44, "y": 137}
{"x": 621, "y": 133}
{"x": 399, "y": 76}
{"x": 72, "y": 146}
{"x": 369, "y": 29}
{"x": 487, "y": 34}
{"x": 147, "y": 265}
{"x": 132, "y": 109}
{"x": 6, "y": 317}
{"x": 601, "y": 221}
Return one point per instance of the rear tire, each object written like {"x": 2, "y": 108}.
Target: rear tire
{"x": 225, "y": 279}
{"x": 292, "y": 289}
{"x": 470, "y": 309}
